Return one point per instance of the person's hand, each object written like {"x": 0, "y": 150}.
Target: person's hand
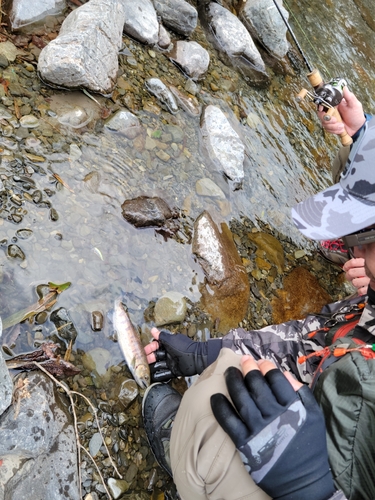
{"x": 355, "y": 272}
{"x": 174, "y": 355}
{"x": 279, "y": 433}
{"x": 351, "y": 112}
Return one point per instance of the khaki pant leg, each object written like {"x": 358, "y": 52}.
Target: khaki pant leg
{"x": 205, "y": 462}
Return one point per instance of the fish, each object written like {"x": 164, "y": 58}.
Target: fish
{"x": 131, "y": 346}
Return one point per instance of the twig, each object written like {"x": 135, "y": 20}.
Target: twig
{"x": 70, "y": 393}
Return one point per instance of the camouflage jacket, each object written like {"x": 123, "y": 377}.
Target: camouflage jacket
{"x": 284, "y": 344}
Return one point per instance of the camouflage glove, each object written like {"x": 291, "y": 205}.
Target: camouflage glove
{"x": 178, "y": 356}
{"x": 279, "y": 433}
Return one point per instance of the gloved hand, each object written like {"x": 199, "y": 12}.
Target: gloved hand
{"x": 279, "y": 433}
{"x": 175, "y": 355}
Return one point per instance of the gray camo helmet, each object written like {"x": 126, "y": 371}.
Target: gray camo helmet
{"x": 348, "y": 206}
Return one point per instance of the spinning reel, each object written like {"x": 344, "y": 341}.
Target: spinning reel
{"x": 328, "y": 95}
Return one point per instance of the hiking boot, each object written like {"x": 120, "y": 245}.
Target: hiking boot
{"x": 159, "y": 407}
{"x": 334, "y": 251}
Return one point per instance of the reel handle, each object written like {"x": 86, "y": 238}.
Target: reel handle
{"x": 316, "y": 81}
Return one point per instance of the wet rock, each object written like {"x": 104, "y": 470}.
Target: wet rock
{"x": 97, "y": 321}
{"x": 24, "y": 234}
{"x": 263, "y": 21}
{"x": 128, "y": 392}
{"x": 365, "y": 8}
{"x": 170, "y": 308}
{"x": 146, "y": 212}
{"x": 234, "y": 42}
{"x": 117, "y": 487}
{"x": 38, "y": 446}
{"x": 191, "y": 58}
{"x": 177, "y": 15}
{"x": 75, "y": 57}
{"x": 6, "y": 384}
{"x": 157, "y": 88}
{"x": 29, "y": 121}
{"x": 269, "y": 247}
{"x": 97, "y": 359}
{"x": 141, "y": 21}
{"x": 10, "y": 51}
{"x": 311, "y": 297}
{"x": 25, "y": 13}
{"x": 125, "y": 123}
{"x": 188, "y": 104}
{"x": 223, "y": 145}
{"x": 95, "y": 443}
{"x": 164, "y": 40}
{"x": 75, "y": 117}
{"x": 207, "y": 187}
{"x": 15, "y": 252}
{"x": 227, "y": 297}
{"x": 64, "y": 325}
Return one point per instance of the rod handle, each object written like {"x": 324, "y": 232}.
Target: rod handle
{"x": 315, "y": 78}
{"x": 345, "y": 138}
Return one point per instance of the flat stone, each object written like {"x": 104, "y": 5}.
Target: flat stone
{"x": 125, "y": 123}
{"x": 170, "y": 308}
{"x": 191, "y": 57}
{"x": 207, "y": 187}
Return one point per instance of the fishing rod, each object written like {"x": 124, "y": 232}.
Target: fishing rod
{"x": 329, "y": 94}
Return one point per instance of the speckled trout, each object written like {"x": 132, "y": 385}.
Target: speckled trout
{"x": 131, "y": 346}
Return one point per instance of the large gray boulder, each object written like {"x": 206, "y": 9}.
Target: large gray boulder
{"x": 177, "y": 15}
{"x": 223, "y": 145}
{"x": 85, "y": 53}
{"x": 38, "y": 446}
{"x": 26, "y": 12}
{"x": 265, "y": 24}
{"x": 141, "y": 21}
{"x": 233, "y": 41}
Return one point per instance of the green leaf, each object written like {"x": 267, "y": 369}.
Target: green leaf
{"x": 156, "y": 134}
{"x": 59, "y": 288}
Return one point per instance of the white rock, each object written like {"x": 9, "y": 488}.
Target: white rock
{"x": 85, "y": 53}
{"x": 223, "y": 144}
{"x": 26, "y": 12}
{"x": 141, "y": 21}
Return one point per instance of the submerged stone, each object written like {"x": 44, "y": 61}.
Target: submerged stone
{"x": 223, "y": 145}
{"x": 146, "y": 212}
{"x": 157, "y": 88}
{"x": 125, "y": 123}
{"x": 170, "y": 308}
{"x": 226, "y": 292}
{"x": 191, "y": 57}
{"x": 311, "y": 297}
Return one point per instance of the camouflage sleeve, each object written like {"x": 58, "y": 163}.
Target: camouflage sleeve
{"x": 284, "y": 344}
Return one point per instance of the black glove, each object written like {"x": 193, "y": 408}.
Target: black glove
{"x": 279, "y": 433}
{"x": 178, "y": 356}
